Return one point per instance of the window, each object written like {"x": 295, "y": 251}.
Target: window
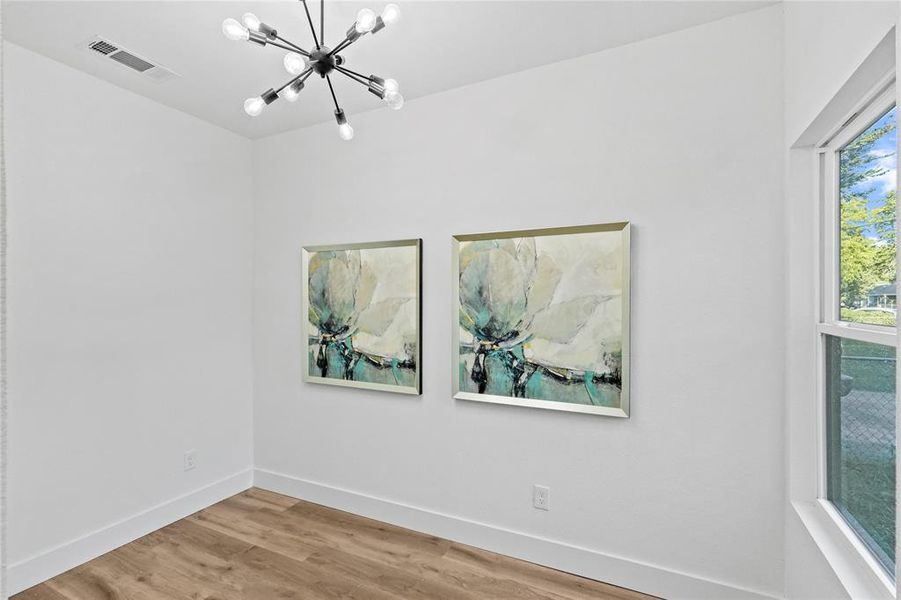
{"x": 866, "y": 193}
{"x": 858, "y": 317}
{"x": 860, "y": 440}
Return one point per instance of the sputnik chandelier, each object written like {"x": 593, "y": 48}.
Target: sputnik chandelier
{"x": 322, "y": 60}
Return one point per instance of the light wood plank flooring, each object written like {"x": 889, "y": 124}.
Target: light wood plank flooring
{"x": 259, "y": 545}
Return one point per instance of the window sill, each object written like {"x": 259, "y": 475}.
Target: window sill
{"x": 856, "y": 569}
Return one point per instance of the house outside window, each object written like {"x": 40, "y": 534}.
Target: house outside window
{"x": 882, "y": 296}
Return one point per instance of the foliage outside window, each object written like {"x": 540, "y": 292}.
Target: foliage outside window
{"x": 867, "y": 167}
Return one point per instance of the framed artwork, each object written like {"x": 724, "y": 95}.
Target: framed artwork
{"x": 362, "y": 315}
{"x": 541, "y": 318}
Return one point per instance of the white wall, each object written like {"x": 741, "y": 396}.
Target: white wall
{"x": 130, "y": 313}
{"x": 825, "y": 42}
{"x": 681, "y": 135}
{"x": 3, "y": 327}
{"x": 825, "y": 45}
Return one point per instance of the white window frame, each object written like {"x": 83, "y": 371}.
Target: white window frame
{"x": 881, "y": 99}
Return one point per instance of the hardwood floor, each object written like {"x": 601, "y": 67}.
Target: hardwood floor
{"x": 259, "y": 545}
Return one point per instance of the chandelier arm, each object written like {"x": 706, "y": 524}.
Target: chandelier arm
{"x": 302, "y": 77}
{"x": 344, "y": 44}
{"x": 294, "y": 46}
{"x": 352, "y": 72}
{"x": 336, "y": 49}
{"x": 351, "y": 75}
{"x": 310, "y": 21}
{"x": 289, "y": 48}
{"x": 339, "y": 48}
{"x": 332, "y": 90}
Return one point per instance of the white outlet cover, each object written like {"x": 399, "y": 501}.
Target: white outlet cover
{"x": 541, "y": 497}
{"x": 190, "y": 460}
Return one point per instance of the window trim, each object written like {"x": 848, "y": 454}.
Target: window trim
{"x": 881, "y": 99}
{"x": 838, "y": 519}
{"x": 856, "y": 568}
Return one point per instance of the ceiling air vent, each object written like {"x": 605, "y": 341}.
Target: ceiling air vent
{"x": 113, "y": 51}
{"x": 130, "y": 60}
{"x": 102, "y": 47}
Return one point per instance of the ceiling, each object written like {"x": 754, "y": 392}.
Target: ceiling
{"x": 437, "y": 45}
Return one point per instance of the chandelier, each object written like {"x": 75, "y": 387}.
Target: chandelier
{"x": 322, "y": 60}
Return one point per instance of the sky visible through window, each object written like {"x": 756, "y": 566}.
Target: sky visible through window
{"x": 867, "y": 182}
{"x": 875, "y": 189}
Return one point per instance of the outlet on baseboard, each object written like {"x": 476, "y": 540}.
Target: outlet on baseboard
{"x": 190, "y": 460}
{"x": 541, "y": 497}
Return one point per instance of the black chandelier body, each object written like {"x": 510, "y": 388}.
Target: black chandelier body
{"x": 322, "y": 60}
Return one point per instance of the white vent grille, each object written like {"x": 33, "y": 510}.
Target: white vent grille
{"x": 130, "y": 60}
{"x": 107, "y": 49}
{"x": 103, "y": 47}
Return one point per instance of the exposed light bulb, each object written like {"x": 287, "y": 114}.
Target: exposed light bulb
{"x": 344, "y": 129}
{"x": 391, "y": 85}
{"x": 234, "y": 30}
{"x": 346, "y": 132}
{"x": 391, "y": 14}
{"x": 254, "y": 106}
{"x": 251, "y": 21}
{"x": 394, "y": 100}
{"x": 365, "y": 21}
{"x": 292, "y": 92}
{"x": 295, "y": 63}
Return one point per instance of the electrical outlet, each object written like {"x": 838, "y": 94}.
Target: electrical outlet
{"x": 190, "y": 460}
{"x": 541, "y": 497}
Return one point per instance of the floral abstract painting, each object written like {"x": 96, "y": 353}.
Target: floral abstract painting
{"x": 361, "y": 304}
{"x": 542, "y": 318}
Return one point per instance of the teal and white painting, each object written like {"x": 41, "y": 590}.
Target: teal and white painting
{"x": 361, "y": 307}
{"x": 541, "y": 318}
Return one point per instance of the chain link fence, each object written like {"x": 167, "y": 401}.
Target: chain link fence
{"x": 862, "y": 466}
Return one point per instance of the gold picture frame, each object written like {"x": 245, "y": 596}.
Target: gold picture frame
{"x": 336, "y": 340}
{"x": 519, "y": 370}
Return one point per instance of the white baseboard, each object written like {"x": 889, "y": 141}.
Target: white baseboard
{"x": 32, "y": 571}
{"x": 621, "y": 571}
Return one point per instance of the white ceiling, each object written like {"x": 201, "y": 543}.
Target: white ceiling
{"x": 437, "y": 45}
